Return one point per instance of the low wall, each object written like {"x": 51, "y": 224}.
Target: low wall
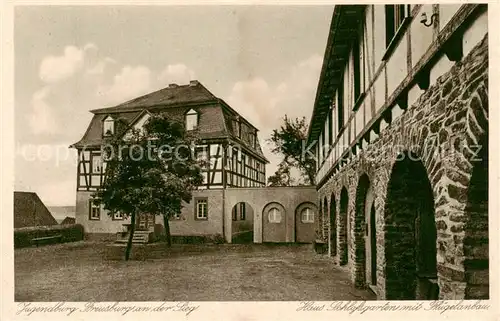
{"x": 289, "y": 199}
{"x": 23, "y": 237}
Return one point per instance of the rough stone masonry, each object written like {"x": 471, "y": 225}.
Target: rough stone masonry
{"x": 446, "y": 130}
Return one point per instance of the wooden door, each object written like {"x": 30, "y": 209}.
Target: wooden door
{"x": 145, "y": 221}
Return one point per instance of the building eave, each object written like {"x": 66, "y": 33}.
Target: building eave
{"x": 345, "y": 21}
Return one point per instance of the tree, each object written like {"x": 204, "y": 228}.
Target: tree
{"x": 151, "y": 171}
{"x": 290, "y": 142}
{"x": 281, "y": 177}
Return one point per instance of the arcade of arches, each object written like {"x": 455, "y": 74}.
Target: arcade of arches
{"x": 413, "y": 224}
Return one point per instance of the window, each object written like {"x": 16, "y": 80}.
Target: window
{"x": 108, "y": 126}
{"x": 117, "y": 216}
{"x": 191, "y": 120}
{"x": 253, "y": 139}
{"x": 237, "y": 127}
{"x": 330, "y": 131}
{"x": 201, "y": 209}
{"x": 94, "y": 210}
{"x": 394, "y": 17}
{"x": 96, "y": 163}
{"x": 202, "y": 155}
{"x": 235, "y": 213}
{"x": 357, "y": 73}
{"x": 274, "y": 215}
{"x": 242, "y": 211}
{"x": 340, "y": 104}
{"x": 307, "y": 215}
{"x": 320, "y": 155}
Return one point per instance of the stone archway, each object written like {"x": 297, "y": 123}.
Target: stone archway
{"x": 242, "y": 225}
{"x": 325, "y": 221}
{"x": 343, "y": 230}
{"x": 274, "y": 223}
{"x": 319, "y": 225}
{"x": 333, "y": 226}
{"x": 362, "y": 233}
{"x": 476, "y": 240}
{"x": 410, "y": 232}
{"x": 305, "y": 216}
{"x": 372, "y": 233}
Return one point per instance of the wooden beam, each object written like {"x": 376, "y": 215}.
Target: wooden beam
{"x": 453, "y": 48}
{"x": 402, "y": 99}
{"x": 387, "y": 115}
{"x": 423, "y": 79}
{"x": 376, "y": 127}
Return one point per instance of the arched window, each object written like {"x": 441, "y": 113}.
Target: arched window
{"x": 108, "y": 126}
{"x": 274, "y": 215}
{"x": 191, "y": 119}
{"x": 307, "y": 215}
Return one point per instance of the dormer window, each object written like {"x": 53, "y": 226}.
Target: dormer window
{"x": 109, "y": 126}
{"x": 237, "y": 127}
{"x": 191, "y": 120}
{"x": 253, "y": 139}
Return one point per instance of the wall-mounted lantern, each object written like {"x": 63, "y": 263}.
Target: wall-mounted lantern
{"x": 424, "y": 19}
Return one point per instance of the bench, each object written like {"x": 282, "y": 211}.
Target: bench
{"x": 46, "y": 239}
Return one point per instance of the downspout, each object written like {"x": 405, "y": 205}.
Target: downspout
{"x": 224, "y": 164}
{"x": 224, "y": 212}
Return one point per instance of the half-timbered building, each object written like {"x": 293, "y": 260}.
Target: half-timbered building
{"x": 400, "y": 125}
{"x": 228, "y": 144}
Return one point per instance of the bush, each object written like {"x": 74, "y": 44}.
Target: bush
{"x": 242, "y": 237}
{"x": 198, "y": 239}
{"x": 218, "y": 239}
{"x": 69, "y": 233}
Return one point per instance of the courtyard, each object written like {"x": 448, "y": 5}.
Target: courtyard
{"x": 81, "y": 271}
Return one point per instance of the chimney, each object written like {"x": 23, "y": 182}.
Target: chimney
{"x": 173, "y": 85}
{"x": 193, "y": 83}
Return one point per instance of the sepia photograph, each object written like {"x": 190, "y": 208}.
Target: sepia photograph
{"x": 181, "y": 153}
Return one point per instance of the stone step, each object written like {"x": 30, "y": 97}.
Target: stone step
{"x": 134, "y": 241}
{"x": 140, "y": 237}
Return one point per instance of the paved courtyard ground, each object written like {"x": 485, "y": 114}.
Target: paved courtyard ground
{"x": 80, "y": 272}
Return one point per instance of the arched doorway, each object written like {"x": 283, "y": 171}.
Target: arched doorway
{"x": 274, "y": 223}
{"x": 373, "y": 246}
{"x": 343, "y": 229}
{"x": 319, "y": 225}
{"x": 476, "y": 240}
{"x": 305, "y": 217}
{"x": 410, "y": 233}
{"x": 242, "y": 223}
{"x": 333, "y": 226}
{"x": 325, "y": 220}
{"x": 362, "y": 234}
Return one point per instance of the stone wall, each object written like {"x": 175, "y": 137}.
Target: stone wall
{"x": 444, "y": 129}
{"x": 289, "y": 199}
{"x": 104, "y": 228}
{"x": 220, "y": 204}
{"x": 187, "y": 224}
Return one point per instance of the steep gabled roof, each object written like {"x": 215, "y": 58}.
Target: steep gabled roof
{"x": 29, "y": 210}
{"x": 68, "y": 220}
{"x": 173, "y": 95}
{"x": 174, "y": 101}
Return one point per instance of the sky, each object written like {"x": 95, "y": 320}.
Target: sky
{"x": 264, "y": 61}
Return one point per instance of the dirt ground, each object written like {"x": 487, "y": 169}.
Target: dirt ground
{"x": 257, "y": 272}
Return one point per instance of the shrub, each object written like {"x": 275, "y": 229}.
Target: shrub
{"x": 242, "y": 237}
{"x": 218, "y": 239}
{"x": 198, "y": 239}
{"x": 69, "y": 233}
